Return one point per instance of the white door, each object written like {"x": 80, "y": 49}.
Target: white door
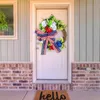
{"x": 52, "y": 66}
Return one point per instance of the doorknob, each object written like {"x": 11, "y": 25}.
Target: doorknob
{"x": 38, "y": 43}
{"x": 37, "y": 48}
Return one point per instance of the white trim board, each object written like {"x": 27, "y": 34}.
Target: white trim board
{"x": 34, "y": 5}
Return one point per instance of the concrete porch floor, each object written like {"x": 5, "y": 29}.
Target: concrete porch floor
{"x": 29, "y": 95}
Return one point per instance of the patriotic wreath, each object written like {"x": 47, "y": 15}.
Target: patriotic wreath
{"x": 48, "y": 28}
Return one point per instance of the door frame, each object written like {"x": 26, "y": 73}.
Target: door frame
{"x": 34, "y": 5}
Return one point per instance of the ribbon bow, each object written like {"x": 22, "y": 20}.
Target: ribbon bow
{"x": 47, "y": 37}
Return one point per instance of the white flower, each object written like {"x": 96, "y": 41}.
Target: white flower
{"x": 44, "y": 23}
{"x": 54, "y": 23}
{"x": 53, "y": 26}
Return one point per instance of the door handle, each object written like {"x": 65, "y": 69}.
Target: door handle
{"x": 37, "y": 48}
{"x": 38, "y": 43}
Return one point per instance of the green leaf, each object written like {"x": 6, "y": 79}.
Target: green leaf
{"x": 40, "y": 26}
{"x": 49, "y": 23}
{"x": 3, "y": 22}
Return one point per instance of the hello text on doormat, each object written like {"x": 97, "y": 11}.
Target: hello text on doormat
{"x": 51, "y": 95}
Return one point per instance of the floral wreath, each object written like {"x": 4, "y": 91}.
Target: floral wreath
{"x": 46, "y": 34}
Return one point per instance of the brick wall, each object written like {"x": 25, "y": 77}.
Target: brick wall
{"x": 85, "y": 76}
{"x": 17, "y": 76}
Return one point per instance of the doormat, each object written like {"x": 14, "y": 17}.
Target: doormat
{"x": 51, "y": 95}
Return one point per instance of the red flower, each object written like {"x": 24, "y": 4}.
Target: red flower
{"x": 51, "y": 47}
{"x": 48, "y": 30}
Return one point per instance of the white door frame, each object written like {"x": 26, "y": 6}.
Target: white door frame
{"x": 35, "y": 4}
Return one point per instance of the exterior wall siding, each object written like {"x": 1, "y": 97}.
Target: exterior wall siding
{"x": 18, "y": 50}
{"x": 87, "y": 30}
{"x": 87, "y": 33}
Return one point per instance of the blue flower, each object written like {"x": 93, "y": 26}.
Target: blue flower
{"x": 59, "y": 43}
